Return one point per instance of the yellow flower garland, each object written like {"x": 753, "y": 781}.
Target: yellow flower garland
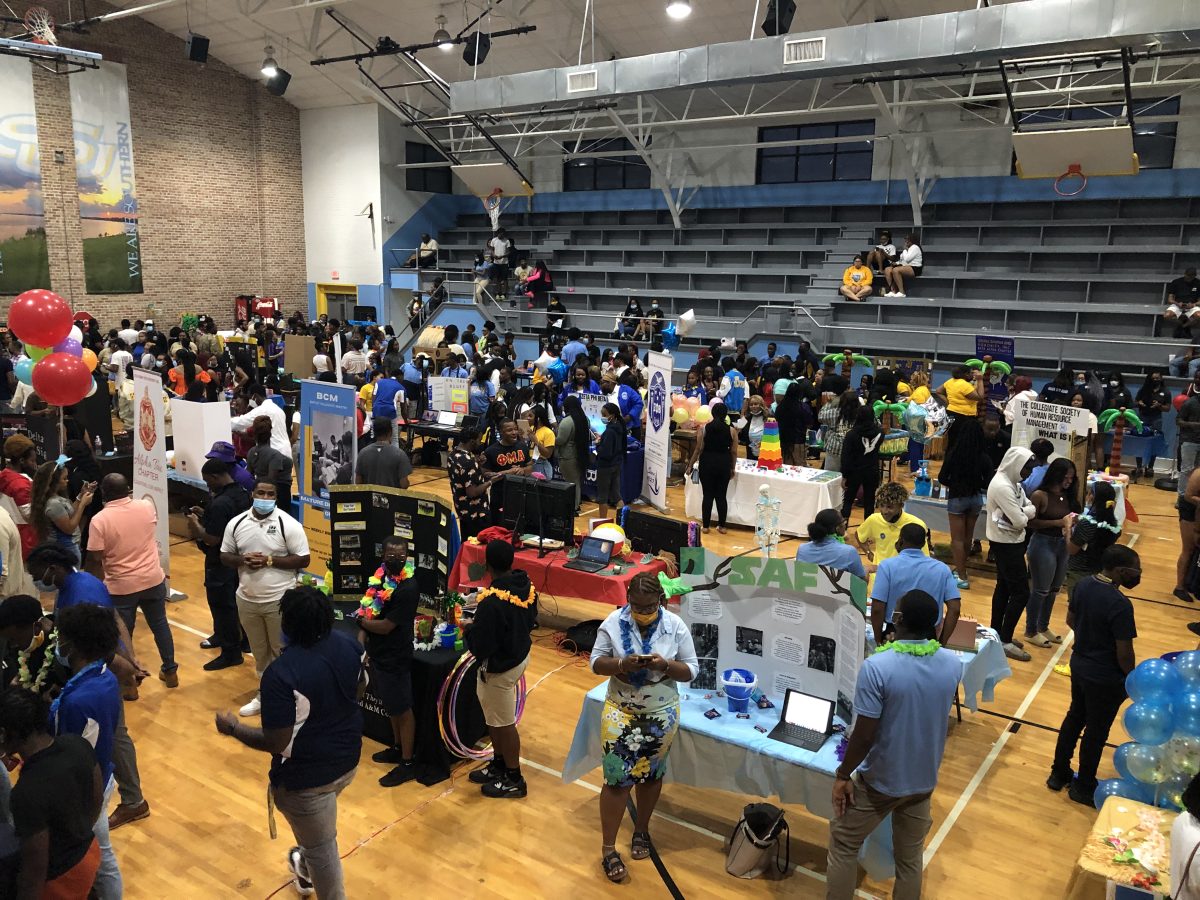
{"x": 509, "y": 597}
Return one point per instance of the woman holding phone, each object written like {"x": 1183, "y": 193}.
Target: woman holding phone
{"x": 646, "y": 651}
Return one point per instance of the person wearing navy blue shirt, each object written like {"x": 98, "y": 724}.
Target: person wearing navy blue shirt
{"x": 387, "y": 389}
{"x": 574, "y": 347}
{"x": 312, "y": 727}
{"x": 825, "y": 547}
{"x": 901, "y": 702}
{"x": 911, "y": 570}
{"x": 90, "y": 706}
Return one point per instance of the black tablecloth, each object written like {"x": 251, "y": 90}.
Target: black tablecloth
{"x": 429, "y": 671}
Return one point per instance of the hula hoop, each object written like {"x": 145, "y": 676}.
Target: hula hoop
{"x": 1073, "y": 171}
{"x": 446, "y": 720}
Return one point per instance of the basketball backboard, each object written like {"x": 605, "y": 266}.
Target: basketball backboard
{"x": 482, "y": 179}
{"x": 1081, "y": 152}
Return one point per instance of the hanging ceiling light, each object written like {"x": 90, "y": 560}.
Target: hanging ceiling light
{"x": 441, "y": 37}
{"x": 270, "y": 68}
{"x": 679, "y": 9}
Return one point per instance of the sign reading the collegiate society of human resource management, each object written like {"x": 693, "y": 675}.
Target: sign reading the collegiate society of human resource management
{"x": 150, "y": 452}
{"x": 1033, "y": 419}
{"x": 793, "y": 624}
{"x": 657, "y": 465}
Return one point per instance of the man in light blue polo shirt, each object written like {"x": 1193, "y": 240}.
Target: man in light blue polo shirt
{"x": 910, "y": 570}
{"x": 901, "y": 702}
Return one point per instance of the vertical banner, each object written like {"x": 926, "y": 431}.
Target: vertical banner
{"x": 328, "y": 449}
{"x": 24, "y": 261}
{"x": 150, "y": 452}
{"x": 108, "y": 207}
{"x": 657, "y": 465}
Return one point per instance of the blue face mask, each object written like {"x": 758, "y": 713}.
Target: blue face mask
{"x": 263, "y": 507}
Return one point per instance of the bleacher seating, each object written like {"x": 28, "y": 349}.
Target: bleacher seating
{"x": 1075, "y": 281}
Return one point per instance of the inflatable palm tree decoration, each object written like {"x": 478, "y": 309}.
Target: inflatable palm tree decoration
{"x": 847, "y": 358}
{"x": 982, "y": 368}
{"x": 1118, "y": 420}
{"x": 886, "y": 413}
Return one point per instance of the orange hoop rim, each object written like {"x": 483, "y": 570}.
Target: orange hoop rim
{"x": 1073, "y": 171}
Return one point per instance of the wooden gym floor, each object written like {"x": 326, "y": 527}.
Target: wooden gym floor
{"x": 995, "y": 825}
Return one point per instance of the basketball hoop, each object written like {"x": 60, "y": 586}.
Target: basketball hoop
{"x": 41, "y": 25}
{"x": 1074, "y": 170}
{"x": 491, "y": 203}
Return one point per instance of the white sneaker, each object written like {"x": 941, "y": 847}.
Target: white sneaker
{"x": 898, "y": 294}
{"x": 889, "y": 294}
{"x": 300, "y": 880}
{"x": 253, "y": 708}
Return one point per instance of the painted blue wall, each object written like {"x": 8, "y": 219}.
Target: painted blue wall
{"x": 437, "y": 214}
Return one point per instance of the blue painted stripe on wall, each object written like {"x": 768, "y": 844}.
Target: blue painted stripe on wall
{"x": 312, "y": 300}
{"x": 436, "y": 214}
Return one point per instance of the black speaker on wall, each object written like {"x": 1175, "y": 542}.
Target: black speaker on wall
{"x": 476, "y": 49}
{"x": 278, "y": 83}
{"x": 197, "y": 48}
{"x": 779, "y": 17}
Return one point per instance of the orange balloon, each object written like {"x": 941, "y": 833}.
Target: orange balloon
{"x": 89, "y": 359}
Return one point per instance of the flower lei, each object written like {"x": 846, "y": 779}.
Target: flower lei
{"x": 912, "y": 648}
{"x": 23, "y": 677}
{"x": 638, "y": 678}
{"x": 379, "y": 590}
{"x": 1087, "y": 517}
{"x": 509, "y": 597}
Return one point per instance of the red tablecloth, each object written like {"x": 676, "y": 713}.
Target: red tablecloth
{"x": 549, "y": 575}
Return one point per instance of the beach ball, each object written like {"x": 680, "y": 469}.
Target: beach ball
{"x": 610, "y": 531}
{"x": 703, "y": 415}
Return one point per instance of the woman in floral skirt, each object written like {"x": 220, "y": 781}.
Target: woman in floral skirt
{"x": 645, "y": 650}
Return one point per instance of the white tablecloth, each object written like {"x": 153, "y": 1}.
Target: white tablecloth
{"x": 803, "y": 492}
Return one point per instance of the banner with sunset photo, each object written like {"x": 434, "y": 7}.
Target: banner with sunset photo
{"x": 108, "y": 208}
{"x": 24, "y": 262}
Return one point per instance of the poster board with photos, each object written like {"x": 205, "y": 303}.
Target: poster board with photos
{"x": 793, "y": 624}
{"x": 361, "y": 516}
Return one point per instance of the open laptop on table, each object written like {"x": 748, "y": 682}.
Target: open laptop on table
{"x": 806, "y": 721}
{"x": 594, "y": 555}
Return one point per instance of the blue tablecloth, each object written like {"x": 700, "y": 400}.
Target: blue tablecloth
{"x": 727, "y": 753}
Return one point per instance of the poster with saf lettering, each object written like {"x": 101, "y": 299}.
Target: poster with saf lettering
{"x": 795, "y": 625}
{"x": 328, "y": 451}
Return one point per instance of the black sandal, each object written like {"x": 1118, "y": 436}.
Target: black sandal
{"x": 614, "y": 867}
{"x": 639, "y": 847}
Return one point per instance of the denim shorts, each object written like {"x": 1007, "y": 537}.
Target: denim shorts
{"x": 964, "y": 506}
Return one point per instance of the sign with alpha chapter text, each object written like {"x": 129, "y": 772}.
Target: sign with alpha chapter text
{"x": 150, "y": 453}
{"x": 657, "y": 464}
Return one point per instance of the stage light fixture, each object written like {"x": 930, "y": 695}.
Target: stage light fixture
{"x": 277, "y": 84}
{"x": 476, "y": 49}
{"x": 441, "y": 37}
{"x": 679, "y": 9}
{"x": 269, "y": 66}
{"x": 779, "y": 17}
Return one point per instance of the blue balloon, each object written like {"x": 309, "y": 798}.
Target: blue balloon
{"x": 670, "y": 339}
{"x": 1119, "y": 787}
{"x": 1153, "y": 679}
{"x": 1170, "y": 792}
{"x": 1187, "y": 714}
{"x": 1150, "y": 722}
{"x": 1187, "y": 664}
{"x": 24, "y": 371}
{"x": 1119, "y": 762}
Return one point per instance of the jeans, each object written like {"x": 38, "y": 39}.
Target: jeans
{"x": 153, "y": 604}
{"x": 108, "y": 884}
{"x": 312, "y": 813}
{"x": 1047, "y": 556}
{"x": 261, "y": 622}
{"x": 1012, "y": 588}
{"x": 1175, "y": 366}
{"x": 220, "y": 587}
{"x": 914, "y": 455}
{"x": 1094, "y": 706}
{"x": 910, "y": 823}
{"x": 125, "y": 765}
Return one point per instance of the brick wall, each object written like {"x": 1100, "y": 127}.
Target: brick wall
{"x": 217, "y": 162}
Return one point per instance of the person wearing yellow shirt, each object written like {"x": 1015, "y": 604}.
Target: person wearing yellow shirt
{"x": 919, "y": 387}
{"x": 878, "y": 533}
{"x": 961, "y": 394}
{"x": 856, "y": 281}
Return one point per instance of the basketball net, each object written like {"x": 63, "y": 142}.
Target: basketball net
{"x": 492, "y": 204}
{"x": 41, "y": 25}
{"x": 1074, "y": 171}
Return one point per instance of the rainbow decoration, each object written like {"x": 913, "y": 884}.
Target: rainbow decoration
{"x": 770, "y": 455}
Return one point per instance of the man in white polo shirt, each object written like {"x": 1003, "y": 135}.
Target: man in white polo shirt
{"x": 267, "y": 547}
{"x": 261, "y": 406}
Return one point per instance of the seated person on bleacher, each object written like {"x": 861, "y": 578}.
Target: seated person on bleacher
{"x": 882, "y": 254}
{"x": 650, "y": 327}
{"x": 425, "y": 256}
{"x": 856, "y": 281}
{"x": 520, "y": 273}
{"x": 909, "y": 265}
{"x": 1183, "y": 295}
{"x": 628, "y": 323}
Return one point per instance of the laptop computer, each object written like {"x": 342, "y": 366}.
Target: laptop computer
{"x": 429, "y": 417}
{"x": 594, "y": 555}
{"x": 447, "y": 417}
{"x": 806, "y": 721}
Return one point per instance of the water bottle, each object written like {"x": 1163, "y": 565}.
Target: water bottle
{"x": 924, "y": 486}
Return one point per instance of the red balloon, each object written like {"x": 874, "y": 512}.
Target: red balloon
{"x": 1179, "y": 401}
{"x": 61, "y": 379}
{"x": 40, "y": 317}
